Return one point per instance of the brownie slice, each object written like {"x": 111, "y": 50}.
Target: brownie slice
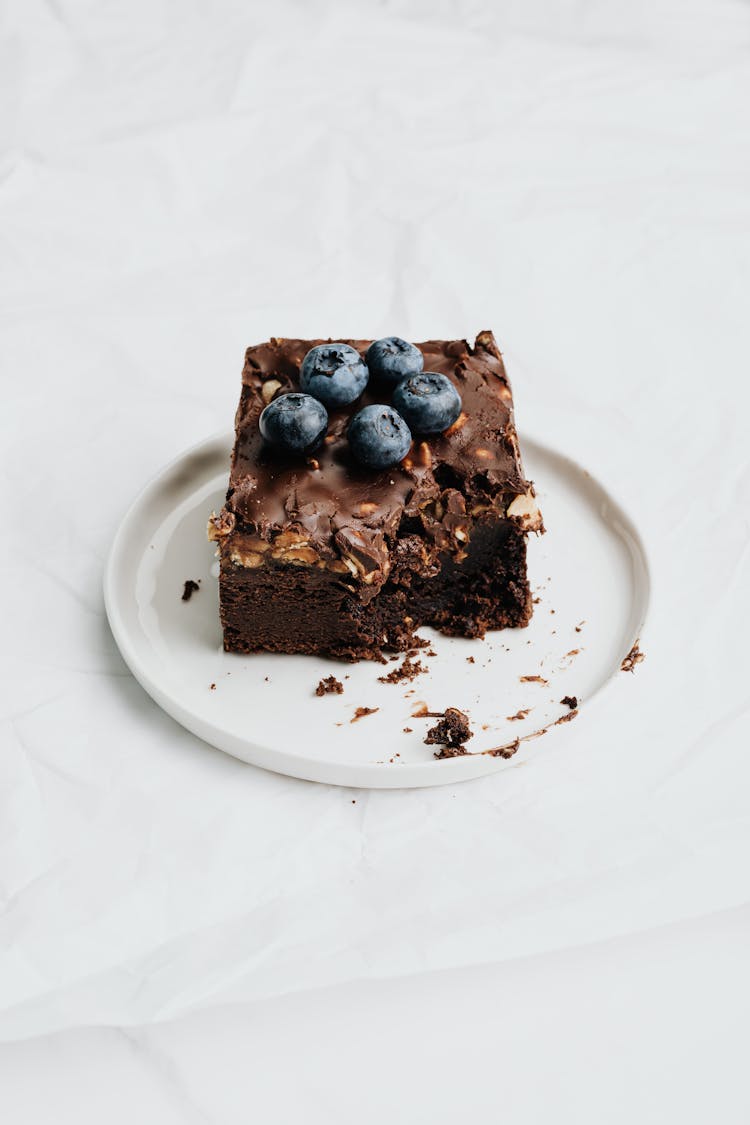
{"x": 324, "y": 556}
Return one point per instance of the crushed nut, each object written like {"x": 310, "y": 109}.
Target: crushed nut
{"x": 297, "y": 556}
{"x": 269, "y": 389}
{"x": 249, "y": 559}
{"x": 424, "y": 456}
{"x": 457, "y": 425}
{"x": 220, "y": 526}
{"x": 525, "y": 511}
{"x": 290, "y": 539}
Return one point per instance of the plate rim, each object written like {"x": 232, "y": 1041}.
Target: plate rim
{"x": 364, "y": 775}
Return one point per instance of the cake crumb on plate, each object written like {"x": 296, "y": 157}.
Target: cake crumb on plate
{"x": 361, "y": 712}
{"x": 635, "y": 656}
{"x": 329, "y": 686}
{"x": 450, "y": 733}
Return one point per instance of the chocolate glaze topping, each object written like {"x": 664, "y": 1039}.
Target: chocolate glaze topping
{"x": 341, "y": 507}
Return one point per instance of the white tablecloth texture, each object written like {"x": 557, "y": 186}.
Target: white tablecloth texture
{"x": 186, "y": 938}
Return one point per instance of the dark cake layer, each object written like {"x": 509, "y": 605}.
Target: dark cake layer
{"x": 326, "y": 556}
{"x": 283, "y": 608}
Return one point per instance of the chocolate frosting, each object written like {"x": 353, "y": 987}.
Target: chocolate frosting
{"x": 342, "y": 509}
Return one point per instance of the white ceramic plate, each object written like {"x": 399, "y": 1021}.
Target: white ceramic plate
{"x": 589, "y": 572}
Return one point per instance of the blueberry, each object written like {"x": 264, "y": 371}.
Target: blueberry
{"x": 378, "y": 437}
{"x": 334, "y": 373}
{"x": 429, "y": 402}
{"x": 392, "y": 359}
{"x": 296, "y": 423}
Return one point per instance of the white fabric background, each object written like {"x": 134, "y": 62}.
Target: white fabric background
{"x": 185, "y": 938}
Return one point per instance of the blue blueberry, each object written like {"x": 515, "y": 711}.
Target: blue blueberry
{"x": 428, "y": 402}
{"x": 296, "y": 423}
{"x": 392, "y": 359}
{"x": 333, "y": 373}
{"x": 378, "y": 437}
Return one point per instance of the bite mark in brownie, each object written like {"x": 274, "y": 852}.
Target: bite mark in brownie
{"x": 323, "y": 556}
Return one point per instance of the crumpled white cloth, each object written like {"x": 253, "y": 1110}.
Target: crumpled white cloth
{"x": 177, "y": 181}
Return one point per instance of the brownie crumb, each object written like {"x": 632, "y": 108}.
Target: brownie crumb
{"x": 532, "y": 680}
{"x": 417, "y": 643}
{"x": 565, "y": 718}
{"x": 635, "y": 656}
{"x": 405, "y": 672}
{"x": 579, "y": 626}
{"x": 189, "y": 589}
{"x": 361, "y": 712}
{"x": 329, "y": 686}
{"x": 421, "y": 712}
{"x": 518, "y": 715}
{"x": 451, "y": 732}
{"x": 570, "y": 701}
{"x": 470, "y": 660}
{"x": 212, "y": 687}
{"x": 573, "y": 652}
{"x": 451, "y": 752}
{"x": 506, "y": 751}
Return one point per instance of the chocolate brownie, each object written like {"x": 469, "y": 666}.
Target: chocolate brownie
{"x": 452, "y": 731}
{"x": 321, "y": 555}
